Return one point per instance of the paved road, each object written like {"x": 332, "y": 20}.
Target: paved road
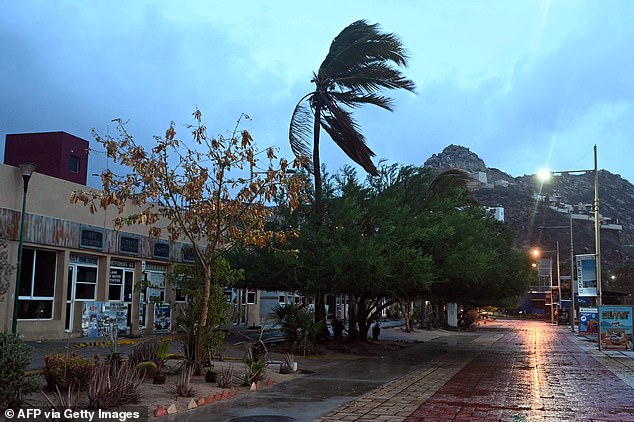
{"x": 505, "y": 371}
{"x": 513, "y": 371}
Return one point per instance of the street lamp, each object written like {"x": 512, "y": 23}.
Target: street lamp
{"x": 536, "y": 254}
{"x": 545, "y": 174}
{"x": 27, "y": 171}
{"x": 572, "y": 269}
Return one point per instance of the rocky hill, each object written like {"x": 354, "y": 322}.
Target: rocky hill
{"x": 530, "y": 208}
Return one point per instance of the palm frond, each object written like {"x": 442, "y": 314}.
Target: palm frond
{"x": 373, "y": 77}
{"x": 345, "y": 133}
{"x": 300, "y": 132}
{"x": 361, "y": 43}
{"x": 354, "y": 99}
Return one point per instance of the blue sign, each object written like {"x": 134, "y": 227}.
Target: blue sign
{"x": 588, "y": 321}
{"x": 587, "y": 275}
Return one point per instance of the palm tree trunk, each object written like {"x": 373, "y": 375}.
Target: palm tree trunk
{"x": 319, "y": 193}
{"x": 320, "y": 308}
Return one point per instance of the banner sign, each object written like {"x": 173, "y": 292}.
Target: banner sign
{"x": 588, "y": 321}
{"x": 586, "y": 275}
{"x": 162, "y": 318}
{"x": 96, "y": 318}
{"x": 615, "y": 323}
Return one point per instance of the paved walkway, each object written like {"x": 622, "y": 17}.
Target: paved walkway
{"x": 513, "y": 371}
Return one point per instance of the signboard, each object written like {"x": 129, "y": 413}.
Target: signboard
{"x": 91, "y": 239}
{"x": 96, "y": 318}
{"x": 128, "y": 245}
{"x": 162, "y": 318}
{"x": 588, "y": 321}
{"x": 161, "y": 250}
{"x": 615, "y": 323}
{"x": 586, "y": 275}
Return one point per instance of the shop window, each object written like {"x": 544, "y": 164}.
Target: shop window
{"x": 86, "y": 284}
{"x": 115, "y": 285}
{"x": 37, "y": 284}
{"x": 180, "y": 291}
{"x": 156, "y": 286}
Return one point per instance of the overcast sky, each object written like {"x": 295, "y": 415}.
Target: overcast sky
{"x": 523, "y": 84}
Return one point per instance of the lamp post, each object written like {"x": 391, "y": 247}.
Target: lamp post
{"x": 537, "y": 253}
{"x": 545, "y": 174}
{"x": 572, "y": 269}
{"x": 27, "y": 171}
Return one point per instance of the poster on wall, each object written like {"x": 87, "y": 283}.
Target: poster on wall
{"x": 586, "y": 275}
{"x": 615, "y": 323}
{"x": 97, "y": 317}
{"x": 162, "y": 318}
{"x": 588, "y": 321}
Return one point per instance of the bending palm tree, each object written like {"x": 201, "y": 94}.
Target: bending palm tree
{"x": 360, "y": 63}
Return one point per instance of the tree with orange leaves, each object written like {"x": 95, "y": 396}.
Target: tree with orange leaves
{"x": 206, "y": 192}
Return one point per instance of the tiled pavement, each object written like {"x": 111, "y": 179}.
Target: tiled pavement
{"x": 531, "y": 371}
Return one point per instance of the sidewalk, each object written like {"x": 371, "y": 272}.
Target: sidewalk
{"x": 513, "y": 371}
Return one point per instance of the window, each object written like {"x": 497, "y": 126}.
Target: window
{"x": 37, "y": 284}
{"x": 115, "y": 286}
{"x": 86, "y": 284}
{"x": 249, "y": 296}
{"x": 73, "y": 164}
{"x": 180, "y": 292}
{"x": 156, "y": 286}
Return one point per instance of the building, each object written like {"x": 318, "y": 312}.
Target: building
{"x": 78, "y": 274}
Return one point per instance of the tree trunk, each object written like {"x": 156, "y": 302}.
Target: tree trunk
{"x": 320, "y": 314}
{"x": 204, "y": 312}
{"x": 352, "y": 317}
{"x": 406, "y": 308}
{"x": 362, "y": 316}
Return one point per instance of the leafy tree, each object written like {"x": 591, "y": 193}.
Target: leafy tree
{"x": 200, "y": 192}
{"x": 473, "y": 253}
{"x": 365, "y": 248}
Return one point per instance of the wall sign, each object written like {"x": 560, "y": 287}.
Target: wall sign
{"x": 128, "y": 245}
{"x": 92, "y": 239}
{"x": 161, "y": 250}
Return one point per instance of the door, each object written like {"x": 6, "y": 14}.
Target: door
{"x": 70, "y": 308}
{"x": 128, "y": 286}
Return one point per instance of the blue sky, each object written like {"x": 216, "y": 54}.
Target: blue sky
{"x": 523, "y": 84}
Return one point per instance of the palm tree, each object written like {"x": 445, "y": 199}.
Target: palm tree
{"x": 361, "y": 62}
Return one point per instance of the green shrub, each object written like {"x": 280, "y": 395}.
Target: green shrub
{"x": 15, "y": 356}
{"x": 147, "y": 369}
{"x": 64, "y": 371}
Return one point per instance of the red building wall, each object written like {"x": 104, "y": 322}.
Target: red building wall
{"x": 56, "y": 154}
